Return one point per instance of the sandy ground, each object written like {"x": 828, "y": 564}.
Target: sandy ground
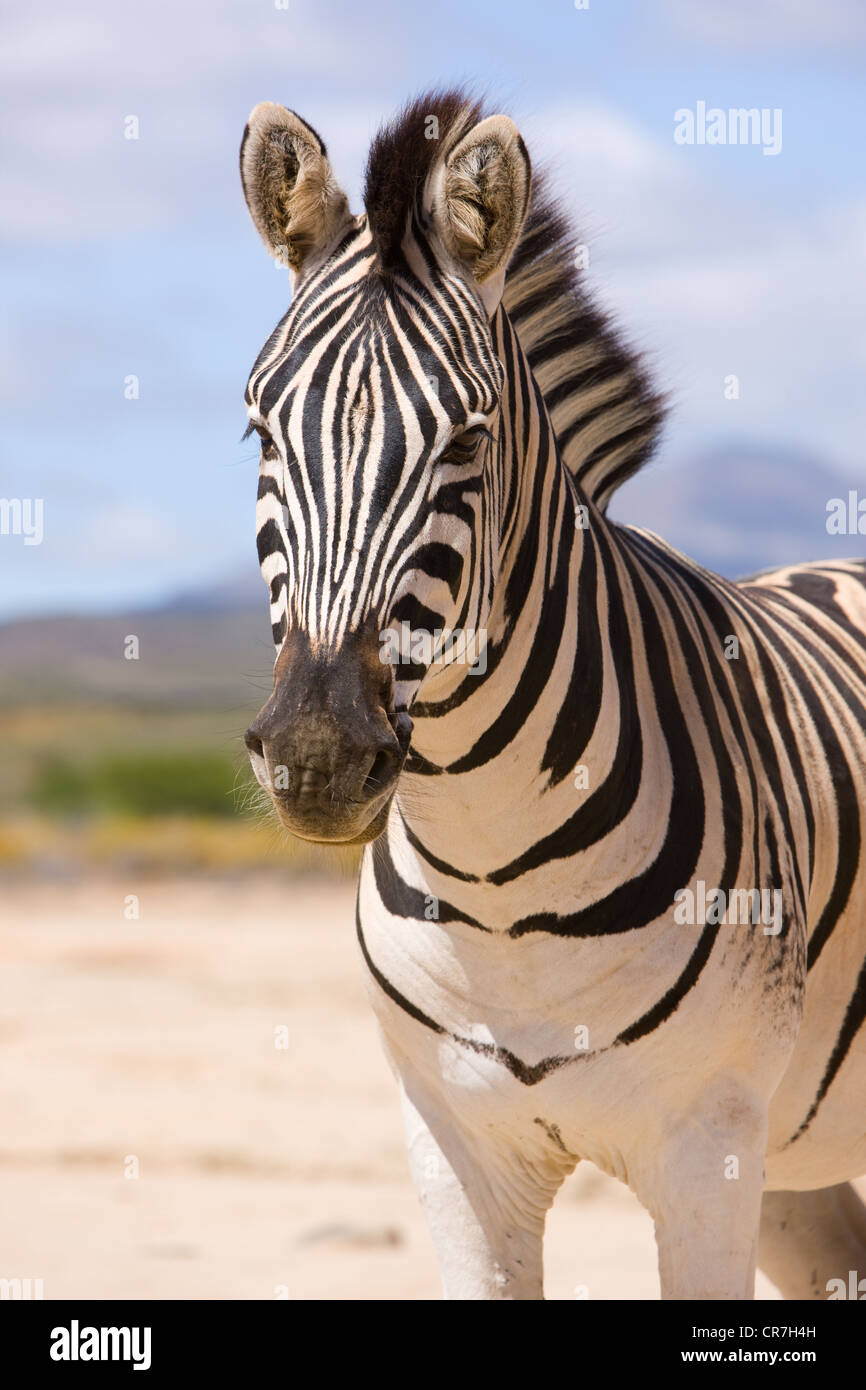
{"x": 263, "y": 1172}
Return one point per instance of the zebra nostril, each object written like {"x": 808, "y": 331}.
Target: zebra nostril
{"x": 254, "y": 743}
{"x": 402, "y": 725}
{"x": 381, "y": 772}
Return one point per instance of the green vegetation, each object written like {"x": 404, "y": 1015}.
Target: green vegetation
{"x": 154, "y": 783}
{"x": 95, "y": 788}
{"x": 86, "y": 761}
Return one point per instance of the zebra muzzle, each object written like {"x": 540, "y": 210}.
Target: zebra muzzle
{"x": 326, "y": 747}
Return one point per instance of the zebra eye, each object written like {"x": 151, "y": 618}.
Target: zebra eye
{"x": 269, "y": 448}
{"x": 463, "y": 446}
{"x": 268, "y": 445}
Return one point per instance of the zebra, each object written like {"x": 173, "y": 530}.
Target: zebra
{"x": 444, "y": 416}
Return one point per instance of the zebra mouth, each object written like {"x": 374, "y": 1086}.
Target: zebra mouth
{"x": 325, "y": 825}
{"x": 365, "y": 836}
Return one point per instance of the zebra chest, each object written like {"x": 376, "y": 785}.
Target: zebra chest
{"x": 509, "y": 1032}
{"x": 551, "y": 1040}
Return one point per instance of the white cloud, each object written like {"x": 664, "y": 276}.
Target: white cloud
{"x": 604, "y": 163}
{"x": 191, "y": 73}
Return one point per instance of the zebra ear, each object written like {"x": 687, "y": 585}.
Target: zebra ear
{"x": 481, "y": 200}
{"x": 294, "y": 200}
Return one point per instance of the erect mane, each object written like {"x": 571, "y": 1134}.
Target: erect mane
{"x": 402, "y": 155}
{"x": 604, "y": 409}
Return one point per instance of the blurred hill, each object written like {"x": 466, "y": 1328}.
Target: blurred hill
{"x": 740, "y": 508}
{"x": 204, "y": 648}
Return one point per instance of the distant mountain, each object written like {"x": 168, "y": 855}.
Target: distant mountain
{"x": 741, "y": 509}
{"x": 203, "y": 647}
{"x": 241, "y": 591}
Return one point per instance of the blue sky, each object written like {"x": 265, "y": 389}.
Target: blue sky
{"x": 137, "y": 257}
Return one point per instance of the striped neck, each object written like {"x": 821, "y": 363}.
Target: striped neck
{"x": 550, "y": 723}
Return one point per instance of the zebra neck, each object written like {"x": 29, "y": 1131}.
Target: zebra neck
{"x": 546, "y": 723}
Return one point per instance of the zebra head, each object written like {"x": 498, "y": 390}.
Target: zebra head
{"x": 376, "y": 399}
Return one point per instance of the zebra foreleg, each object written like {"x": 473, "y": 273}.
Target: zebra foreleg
{"x": 703, "y": 1186}
{"x": 487, "y": 1231}
{"x": 810, "y": 1238}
